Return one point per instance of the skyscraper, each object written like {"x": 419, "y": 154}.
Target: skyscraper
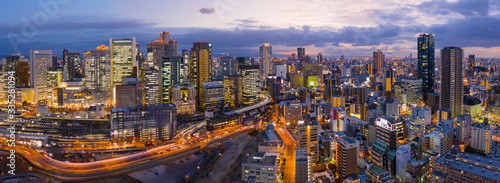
{"x": 227, "y": 65}
{"x": 452, "y": 80}
{"x": 185, "y": 55}
{"x": 172, "y": 72}
{"x": 347, "y": 156}
{"x": 251, "y": 83}
{"x": 266, "y": 57}
{"x": 425, "y": 70}
{"x": 23, "y": 73}
{"x": 123, "y": 58}
{"x": 40, "y": 61}
{"x": 73, "y": 63}
{"x": 98, "y": 73}
{"x": 200, "y": 62}
{"x": 389, "y": 80}
{"x": 470, "y": 65}
{"x": 301, "y": 54}
{"x": 320, "y": 58}
{"x": 163, "y": 47}
{"x": 309, "y": 138}
{"x": 377, "y": 60}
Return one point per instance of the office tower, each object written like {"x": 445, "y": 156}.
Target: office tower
{"x": 23, "y": 73}
{"x": 73, "y": 63}
{"x": 309, "y": 138}
{"x": 251, "y": 83}
{"x": 65, "y": 52}
{"x": 301, "y": 54}
{"x": 425, "y": 69}
{"x": 320, "y": 58}
{"x": 471, "y": 62}
{"x": 264, "y": 167}
{"x": 411, "y": 89}
{"x": 457, "y": 166}
{"x": 11, "y": 62}
{"x": 227, "y": 65}
{"x": 389, "y": 80}
{"x": 276, "y": 62}
{"x": 452, "y": 87}
{"x": 145, "y": 123}
{"x": 163, "y": 47}
{"x": 129, "y": 93}
{"x": 463, "y": 129}
{"x": 347, "y": 156}
{"x": 172, "y": 72}
{"x": 183, "y": 97}
{"x": 123, "y": 58}
{"x": 387, "y": 132}
{"x": 378, "y": 58}
{"x": 185, "y": 56}
{"x": 433, "y": 101}
{"x": 303, "y": 166}
{"x": 481, "y": 137}
{"x": 265, "y": 56}
{"x": 313, "y": 74}
{"x": 233, "y": 91}
{"x": 98, "y": 73}
{"x": 200, "y": 62}
{"x": 55, "y": 75}
{"x": 370, "y": 69}
{"x": 151, "y": 86}
{"x": 40, "y": 61}
{"x": 54, "y": 61}
{"x": 212, "y": 96}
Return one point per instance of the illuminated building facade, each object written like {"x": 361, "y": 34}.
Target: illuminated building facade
{"x": 347, "y": 152}
{"x": 123, "y": 58}
{"x": 98, "y": 74}
{"x": 40, "y": 61}
{"x": 426, "y": 65}
{"x": 23, "y": 73}
{"x": 265, "y": 56}
{"x": 151, "y": 89}
{"x": 227, "y": 65}
{"x": 172, "y": 72}
{"x": 452, "y": 87}
{"x": 134, "y": 123}
{"x": 183, "y": 97}
{"x": 378, "y": 58}
{"x": 212, "y": 96}
{"x": 233, "y": 91}
{"x": 163, "y": 47}
{"x": 71, "y": 94}
{"x": 313, "y": 75}
{"x": 290, "y": 112}
{"x": 200, "y": 63}
{"x": 251, "y": 83}
{"x": 309, "y": 138}
{"x": 74, "y": 65}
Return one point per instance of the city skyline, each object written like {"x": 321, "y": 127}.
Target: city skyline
{"x": 235, "y": 28}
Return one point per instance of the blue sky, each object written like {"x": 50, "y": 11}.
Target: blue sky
{"x": 237, "y": 27}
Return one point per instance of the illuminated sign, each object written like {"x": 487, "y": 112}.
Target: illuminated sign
{"x": 381, "y": 122}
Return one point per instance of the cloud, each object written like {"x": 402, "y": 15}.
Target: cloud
{"x": 207, "y": 10}
{"x": 467, "y": 8}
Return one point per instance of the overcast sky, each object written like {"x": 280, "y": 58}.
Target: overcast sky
{"x": 237, "y": 27}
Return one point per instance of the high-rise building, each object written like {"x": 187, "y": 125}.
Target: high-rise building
{"x": 172, "y": 72}
{"x": 441, "y": 139}
{"x": 378, "y": 58}
{"x": 313, "y": 74}
{"x": 309, "y": 138}
{"x": 151, "y": 86}
{"x": 163, "y": 47}
{"x": 227, "y": 65}
{"x": 481, "y": 137}
{"x": 23, "y": 73}
{"x": 389, "y": 80}
{"x": 452, "y": 87}
{"x": 40, "y": 61}
{"x": 212, "y": 96}
{"x": 265, "y": 56}
{"x": 471, "y": 62}
{"x": 134, "y": 123}
{"x": 123, "y": 58}
{"x": 11, "y": 62}
{"x": 183, "y": 97}
{"x": 301, "y": 54}
{"x": 74, "y": 66}
{"x": 55, "y": 75}
{"x": 347, "y": 156}
{"x": 185, "y": 55}
{"x": 233, "y": 91}
{"x": 129, "y": 93}
{"x": 98, "y": 73}
{"x": 54, "y": 61}
{"x": 320, "y": 58}
{"x": 303, "y": 166}
{"x": 251, "y": 83}
{"x": 409, "y": 91}
{"x": 463, "y": 129}
{"x": 200, "y": 63}
{"x": 425, "y": 70}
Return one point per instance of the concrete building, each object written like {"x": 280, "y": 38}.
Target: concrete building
{"x": 452, "y": 85}
{"x": 212, "y": 96}
{"x": 309, "y": 138}
{"x": 464, "y": 128}
{"x": 379, "y": 175}
{"x": 263, "y": 166}
{"x": 303, "y": 166}
{"x": 40, "y": 61}
{"x": 481, "y": 137}
{"x": 290, "y": 112}
{"x": 183, "y": 97}
{"x": 233, "y": 91}
{"x": 251, "y": 83}
{"x": 347, "y": 152}
{"x": 129, "y": 93}
{"x": 441, "y": 139}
